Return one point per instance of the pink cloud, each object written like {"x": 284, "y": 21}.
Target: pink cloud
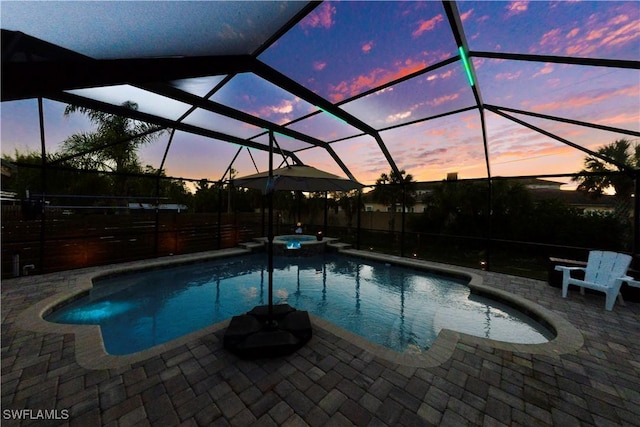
{"x": 573, "y": 33}
{"x": 550, "y": 37}
{"x": 444, "y": 75}
{"x": 442, "y": 100}
{"x": 367, "y": 47}
{"x": 586, "y": 99}
{"x": 438, "y": 132}
{"x": 617, "y": 20}
{"x": 397, "y": 117}
{"x": 362, "y": 82}
{"x": 623, "y": 35}
{"x": 596, "y": 34}
{"x": 280, "y": 111}
{"x": 248, "y": 98}
{"x": 601, "y": 35}
{"x": 285, "y": 107}
{"x": 466, "y": 15}
{"x": 375, "y": 78}
{"x": 319, "y": 65}
{"x": 444, "y": 55}
{"x": 547, "y": 69}
{"x": 529, "y": 154}
{"x": 517, "y": 7}
{"x": 619, "y": 119}
{"x": 509, "y": 76}
{"x": 427, "y": 25}
{"x": 321, "y": 17}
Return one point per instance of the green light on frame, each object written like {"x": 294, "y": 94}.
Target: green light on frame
{"x": 467, "y": 66}
{"x": 331, "y": 114}
{"x": 275, "y": 132}
{"x": 282, "y": 134}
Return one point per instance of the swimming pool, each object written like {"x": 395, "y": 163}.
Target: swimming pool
{"x": 399, "y": 308}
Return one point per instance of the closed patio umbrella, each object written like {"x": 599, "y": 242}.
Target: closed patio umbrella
{"x": 297, "y": 178}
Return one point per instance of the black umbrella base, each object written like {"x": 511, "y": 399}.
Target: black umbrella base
{"x": 253, "y": 335}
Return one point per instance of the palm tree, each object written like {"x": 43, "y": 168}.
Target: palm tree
{"x": 390, "y": 189}
{"x": 112, "y": 147}
{"x": 596, "y": 177}
{"x": 624, "y": 158}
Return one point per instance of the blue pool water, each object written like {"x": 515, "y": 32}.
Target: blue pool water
{"x": 400, "y": 308}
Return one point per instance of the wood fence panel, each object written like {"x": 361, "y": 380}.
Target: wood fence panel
{"x": 91, "y": 239}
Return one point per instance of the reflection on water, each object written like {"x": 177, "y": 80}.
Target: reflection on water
{"x": 399, "y": 308}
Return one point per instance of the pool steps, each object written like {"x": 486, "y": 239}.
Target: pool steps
{"x": 252, "y": 246}
{"x": 338, "y": 246}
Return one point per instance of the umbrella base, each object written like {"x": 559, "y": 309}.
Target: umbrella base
{"x": 254, "y": 335}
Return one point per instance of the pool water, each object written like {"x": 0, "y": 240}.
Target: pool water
{"x": 400, "y": 308}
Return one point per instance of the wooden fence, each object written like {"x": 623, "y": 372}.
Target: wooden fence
{"x": 62, "y": 243}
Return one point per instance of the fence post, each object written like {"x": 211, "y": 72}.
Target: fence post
{"x": 43, "y": 149}
{"x": 489, "y": 242}
{"x": 359, "y": 219}
{"x": 403, "y": 217}
{"x": 156, "y": 237}
{"x": 326, "y": 213}
{"x": 636, "y": 216}
{"x": 220, "y": 216}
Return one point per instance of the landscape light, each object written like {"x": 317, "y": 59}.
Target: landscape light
{"x": 467, "y": 66}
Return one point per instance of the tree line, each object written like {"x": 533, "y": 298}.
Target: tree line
{"x": 105, "y": 162}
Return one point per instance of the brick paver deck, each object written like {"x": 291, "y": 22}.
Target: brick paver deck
{"x": 332, "y": 381}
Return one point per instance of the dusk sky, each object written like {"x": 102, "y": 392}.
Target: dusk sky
{"x": 344, "y": 49}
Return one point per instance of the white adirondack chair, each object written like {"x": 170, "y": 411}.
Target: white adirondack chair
{"x": 605, "y": 272}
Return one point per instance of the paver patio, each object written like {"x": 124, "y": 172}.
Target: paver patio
{"x": 332, "y": 380}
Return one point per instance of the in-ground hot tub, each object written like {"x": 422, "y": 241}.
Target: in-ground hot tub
{"x": 298, "y": 245}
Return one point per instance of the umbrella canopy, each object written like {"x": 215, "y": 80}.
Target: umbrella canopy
{"x": 297, "y": 178}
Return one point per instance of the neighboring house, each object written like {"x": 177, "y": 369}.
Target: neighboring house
{"x": 8, "y": 169}
{"x": 6, "y": 196}
{"x": 576, "y": 199}
{"x": 422, "y": 188}
{"x": 539, "y": 189}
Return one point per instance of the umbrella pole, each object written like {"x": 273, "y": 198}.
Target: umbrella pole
{"x": 270, "y": 191}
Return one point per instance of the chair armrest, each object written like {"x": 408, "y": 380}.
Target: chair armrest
{"x": 565, "y": 268}
{"x": 630, "y": 281}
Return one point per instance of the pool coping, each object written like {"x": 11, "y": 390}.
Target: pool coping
{"x": 91, "y": 353}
